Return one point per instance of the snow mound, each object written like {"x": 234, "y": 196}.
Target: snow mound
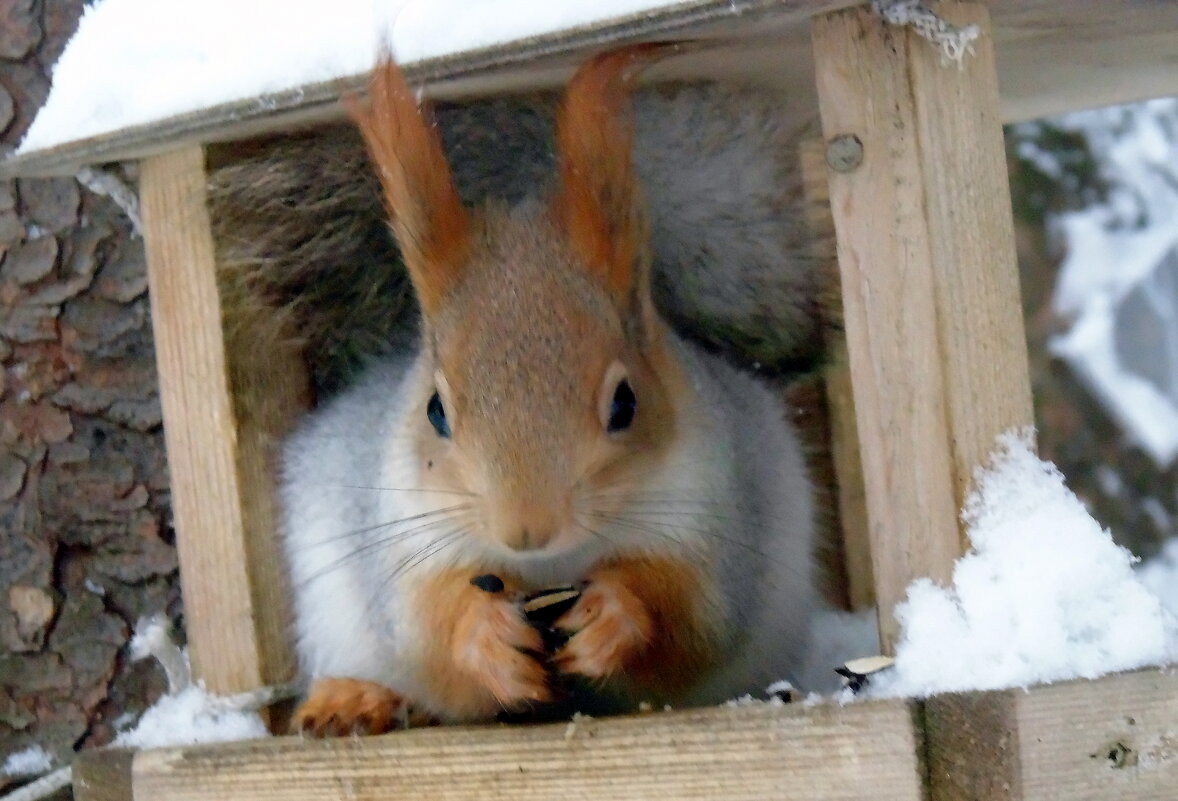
{"x": 33, "y": 761}
{"x": 1044, "y": 594}
{"x": 192, "y": 717}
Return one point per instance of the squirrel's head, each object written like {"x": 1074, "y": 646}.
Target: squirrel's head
{"x": 550, "y": 386}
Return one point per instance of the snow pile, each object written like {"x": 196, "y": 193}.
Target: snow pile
{"x": 1117, "y": 282}
{"x": 1044, "y": 595}
{"x": 192, "y": 717}
{"x": 188, "y": 714}
{"x": 33, "y": 761}
{"x": 1160, "y": 575}
{"x": 137, "y": 61}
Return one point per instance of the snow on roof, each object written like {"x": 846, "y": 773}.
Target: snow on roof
{"x": 137, "y": 61}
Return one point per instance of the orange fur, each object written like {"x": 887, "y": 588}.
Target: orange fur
{"x": 475, "y": 655}
{"x": 643, "y": 620}
{"x": 597, "y": 202}
{"x": 337, "y": 707}
{"x": 431, "y": 224}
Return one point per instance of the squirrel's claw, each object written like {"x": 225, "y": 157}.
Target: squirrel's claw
{"x": 341, "y": 707}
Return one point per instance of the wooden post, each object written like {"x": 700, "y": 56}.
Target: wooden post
{"x": 840, "y": 406}
{"x": 1115, "y": 737}
{"x": 220, "y": 441}
{"x": 925, "y": 241}
{"x": 103, "y": 775}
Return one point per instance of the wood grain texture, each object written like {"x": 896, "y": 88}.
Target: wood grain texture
{"x": 970, "y": 221}
{"x": 929, "y": 280}
{"x": 103, "y": 775}
{"x": 218, "y": 444}
{"x": 860, "y": 751}
{"x": 840, "y": 405}
{"x": 1116, "y": 737}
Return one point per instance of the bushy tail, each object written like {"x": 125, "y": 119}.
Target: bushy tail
{"x": 301, "y": 227}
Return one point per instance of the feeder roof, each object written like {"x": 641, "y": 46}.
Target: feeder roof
{"x": 144, "y": 76}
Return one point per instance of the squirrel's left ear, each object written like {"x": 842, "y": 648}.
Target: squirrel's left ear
{"x": 597, "y": 201}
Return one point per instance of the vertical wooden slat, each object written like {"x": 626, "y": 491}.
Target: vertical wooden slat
{"x": 1116, "y": 737}
{"x": 840, "y": 406}
{"x": 219, "y": 439}
{"x": 930, "y": 286}
{"x": 103, "y": 775}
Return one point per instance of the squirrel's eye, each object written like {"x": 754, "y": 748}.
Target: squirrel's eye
{"x": 436, "y": 413}
{"x": 621, "y": 409}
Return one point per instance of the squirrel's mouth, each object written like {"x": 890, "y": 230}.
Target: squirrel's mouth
{"x": 558, "y": 564}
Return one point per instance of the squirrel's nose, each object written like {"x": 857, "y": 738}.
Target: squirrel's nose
{"x": 529, "y": 538}
{"x": 527, "y": 527}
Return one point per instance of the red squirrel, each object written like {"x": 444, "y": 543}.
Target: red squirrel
{"x": 548, "y": 428}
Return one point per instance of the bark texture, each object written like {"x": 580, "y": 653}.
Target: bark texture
{"x": 85, "y": 533}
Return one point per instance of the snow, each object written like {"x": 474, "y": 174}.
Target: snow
{"x": 1160, "y": 575}
{"x": 32, "y": 761}
{"x": 133, "y": 62}
{"x": 1116, "y": 283}
{"x": 188, "y": 714}
{"x": 1043, "y": 595}
{"x": 192, "y": 717}
{"x": 1138, "y": 406}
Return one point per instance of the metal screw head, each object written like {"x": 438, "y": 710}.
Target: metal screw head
{"x": 844, "y": 153}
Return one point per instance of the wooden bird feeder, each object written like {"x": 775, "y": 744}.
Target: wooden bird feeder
{"x": 935, "y": 368}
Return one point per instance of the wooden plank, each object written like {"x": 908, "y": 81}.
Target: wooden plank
{"x": 103, "y": 775}
{"x": 1054, "y": 56}
{"x": 850, "y": 493}
{"x": 827, "y": 752}
{"x": 971, "y": 235}
{"x": 1116, "y": 737}
{"x": 219, "y": 440}
{"x": 930, "y": 284}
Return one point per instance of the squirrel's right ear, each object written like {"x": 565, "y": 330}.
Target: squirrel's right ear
{"x": 431, "y": 225}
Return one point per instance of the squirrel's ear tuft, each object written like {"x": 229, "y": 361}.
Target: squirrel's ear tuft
{"x": 429, "y": 220}
{"x": 597, "y": 201}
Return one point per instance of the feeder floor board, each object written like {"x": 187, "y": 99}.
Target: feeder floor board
{"x": 756, "y": 753}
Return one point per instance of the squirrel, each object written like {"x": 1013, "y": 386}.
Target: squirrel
{"x": 737, "y": 268}
{"x": 549, "y": 426}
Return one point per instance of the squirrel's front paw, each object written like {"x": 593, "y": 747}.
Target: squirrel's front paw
{"x": 338, "y": 707}
{"x": 610, "y": 627}
{"x": 496, "y": 646}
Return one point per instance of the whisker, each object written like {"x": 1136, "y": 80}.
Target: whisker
{"x": 650, "y": 527}
{"x": 374, "y": 545}
{"x": 594, "y": 532}
{"x": 404, "y": 489}
{"x": 369, "y": 529}
{"x": 424, "y": 553}
{"x": 671, "y": 510}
